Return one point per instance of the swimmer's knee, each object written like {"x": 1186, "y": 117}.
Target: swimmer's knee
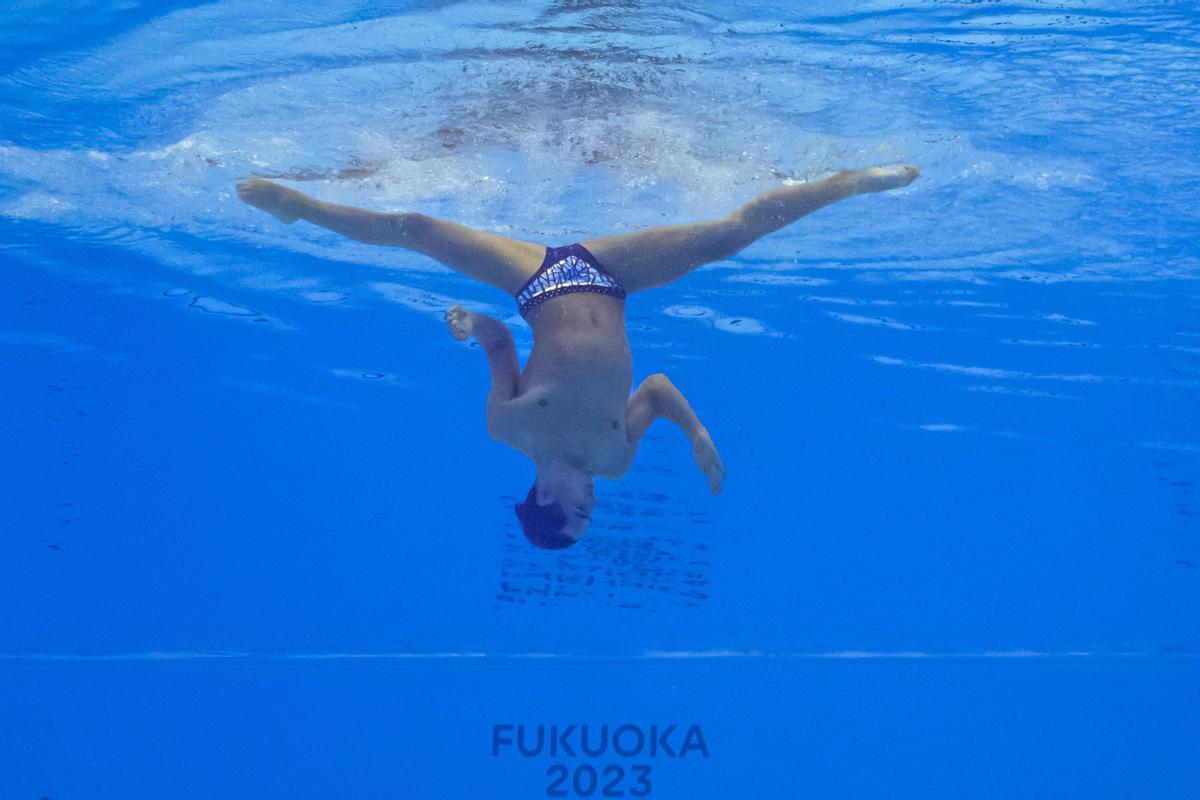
{"x": 731, "y": 233}
{"x": 410, "y": 227}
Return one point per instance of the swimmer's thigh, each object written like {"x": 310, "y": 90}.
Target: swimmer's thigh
{"x": 487, "y": 257}
{"x": 657, "y": 256}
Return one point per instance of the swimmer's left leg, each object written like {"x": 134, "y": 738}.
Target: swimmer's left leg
{"x": 487, "y": 257}
{"x": 658, "y": 256}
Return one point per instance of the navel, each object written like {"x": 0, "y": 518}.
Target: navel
{"x": 543, "y": 402}
{"x": 616, "y": 424}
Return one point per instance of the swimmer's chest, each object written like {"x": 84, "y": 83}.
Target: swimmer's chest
{"x": 574, "y": 410}
{"x": 587, "y": 426}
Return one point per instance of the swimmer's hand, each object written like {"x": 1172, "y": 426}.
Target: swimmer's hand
{"x": 277, "y": 200}
{"x": 488, "y": 331}
{"x": 460, "y": 322}
{"x": 497, "y": 342}
{"x": 708, "y": 459}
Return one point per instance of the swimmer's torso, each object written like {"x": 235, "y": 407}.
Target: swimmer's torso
{"x": 572, "y": 394}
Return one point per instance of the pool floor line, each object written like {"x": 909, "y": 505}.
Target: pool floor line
{"x": 650, "y": 655}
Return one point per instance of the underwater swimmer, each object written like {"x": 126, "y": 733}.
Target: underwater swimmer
{"x": 570, "y": 409}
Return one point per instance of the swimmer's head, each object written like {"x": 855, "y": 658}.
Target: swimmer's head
{"x": 557, "y": 511}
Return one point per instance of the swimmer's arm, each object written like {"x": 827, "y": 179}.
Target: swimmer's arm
{"x": 657, "y": 397}
{"x": 497, "y": 342}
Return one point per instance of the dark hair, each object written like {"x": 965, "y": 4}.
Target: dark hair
{"x": 543, "y": 524}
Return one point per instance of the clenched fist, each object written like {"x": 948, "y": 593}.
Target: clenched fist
{"x": 460, "y": 322}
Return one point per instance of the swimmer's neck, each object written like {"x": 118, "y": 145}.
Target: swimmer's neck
{"x": 556, "y": 462}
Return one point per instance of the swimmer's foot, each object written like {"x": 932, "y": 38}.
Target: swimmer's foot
{"x": 277, "y": 200}
{"x": 878, "y": 179}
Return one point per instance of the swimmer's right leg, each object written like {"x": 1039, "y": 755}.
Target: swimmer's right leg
{"x": 487, "y": 257}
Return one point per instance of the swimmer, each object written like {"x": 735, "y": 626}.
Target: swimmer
{"x": 570, "y": 409}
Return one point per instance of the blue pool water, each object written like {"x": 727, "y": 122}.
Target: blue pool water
{"x": 256, "y": 540}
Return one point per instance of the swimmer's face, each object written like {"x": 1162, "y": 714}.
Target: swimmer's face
{"x": 575, "y": 495}
{"x": 563, "y": 500}
{"x": 579, "y": 517}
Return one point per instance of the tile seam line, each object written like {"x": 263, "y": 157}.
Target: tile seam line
{"x": 649, "y": 656}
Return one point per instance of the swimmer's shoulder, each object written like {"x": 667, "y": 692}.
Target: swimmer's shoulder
{"x": 524, "y": 412}
{"x": 519, "y": 421}
{"x": 507, "y": 420}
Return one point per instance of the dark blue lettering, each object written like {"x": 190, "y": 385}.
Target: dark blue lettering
{"x": 694, "y": 739}
{"x": 541, "y": 736}
{"x": 496, "y": 738}
{"x": 628, "y": 752}
{"x": 660, "y": 741}
{"x": 583, "y": 741}
{"x": 561, "y": 741}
